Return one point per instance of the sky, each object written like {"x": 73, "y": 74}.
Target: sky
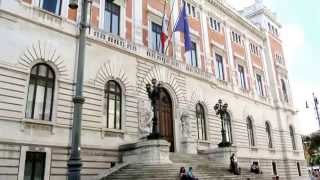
{"x": 301, "y": 43}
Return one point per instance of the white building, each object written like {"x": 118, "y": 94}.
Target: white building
{"x": 237, "y": 57}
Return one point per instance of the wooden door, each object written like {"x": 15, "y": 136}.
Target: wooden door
{"x": 166, "y": 117}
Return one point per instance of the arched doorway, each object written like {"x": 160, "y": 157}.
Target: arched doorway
{"x": 165, "y": 116}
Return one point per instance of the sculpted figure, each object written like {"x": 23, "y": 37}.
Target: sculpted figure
{"x": 185, "y": 124}
{"x": 145, "y": 117}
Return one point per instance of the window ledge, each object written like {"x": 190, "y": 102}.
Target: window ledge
{"x": 203, "y": 141}
{"x": 107, "y": 132}
{"x": 296, "y": 151}
{"x": 272, "y": 150}
{"x": 48, "y": 12}
{"x": 36, "y": 121}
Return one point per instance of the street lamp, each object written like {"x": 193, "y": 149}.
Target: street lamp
{"x": 154, "y": 96}
{"x": 221, "y": 109}
{"x": 74, "y": 162}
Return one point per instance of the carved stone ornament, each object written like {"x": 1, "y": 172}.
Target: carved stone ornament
{"x": 185, "y": 124}
{"x": 145, "y": 117}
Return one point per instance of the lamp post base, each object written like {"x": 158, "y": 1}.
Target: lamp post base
{"x": 74, "y": 168}
{"x": 224, "y": 144}
{"x": 154, "y": 136}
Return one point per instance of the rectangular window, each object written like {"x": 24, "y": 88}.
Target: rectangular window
{"x": 259, "y": 85}
{"x": 155, "y": 37}
{"x": 112, "y": 18}
{"x": 53, "y": 6}
{"x": 242, "y": 77}
{"x": 215, "y": 25}
{"x": 236, "y": 38}
{"x": 191, "y": 10}
{"x": 274, "y": 168}
{"x": 34, "y": 166}
{"x": 193, "y": 55}
{"x": 219, "y": 67}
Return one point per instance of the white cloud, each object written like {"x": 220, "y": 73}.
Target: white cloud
{"x": 306, "y": 122}
{"x": 293, "y": 40}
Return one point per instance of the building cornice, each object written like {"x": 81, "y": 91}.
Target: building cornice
{"x": 236, "y": 16}
{"x": 267, "y": 13}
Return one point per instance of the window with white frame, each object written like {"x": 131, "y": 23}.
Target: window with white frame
{"x": 215, "y": 24}
{"x": 279, "y": 58}
{"x": 284, "y": 90}
{"x": 40, "y": 92}
{"x": 236, "y": 37}
{"x": 113, "y": 101}
{"x": 273, "y": 29}
{"x": 34, "y": 165}
{"x": 193, "y": 56}
{"x": 250, "y": 130}
{"x": 228, "y": 128}
{"x": 219, "y": 67}
{"x": 53, "y": 6}
{"x": 260, "y": 88}
{"x": 242, "y": 77}
{"x": 292, "y": 136}
{"x": 201, "y": 122}
{"x": 156, "y": 37}
{"x": 254, "y": 49}
{"x": 112, "y": 17}
{"x": 191, "y": 10}
{"x": 269, "y": 135}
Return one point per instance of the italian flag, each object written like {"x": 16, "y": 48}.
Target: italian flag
{"x": 164, "y": 32}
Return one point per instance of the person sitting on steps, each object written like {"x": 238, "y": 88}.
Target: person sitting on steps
{"x": 183, "y": 174}
{"x": 234, "y": 168}
{"x": 190, "y": 175}
{"x": 255, "y": 168}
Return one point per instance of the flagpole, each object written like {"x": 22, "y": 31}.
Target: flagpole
{"x": 164, "y": 14}
{"x": 170, "y": 17}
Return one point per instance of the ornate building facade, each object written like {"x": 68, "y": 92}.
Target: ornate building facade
{"x": 236, "y": 56}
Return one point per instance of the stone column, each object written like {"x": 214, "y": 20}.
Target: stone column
{"x": 175, "y": 35}
{"x": 230, "y": 53}
{"x": 137, "y": 22}
{"x": 250, "y": 68}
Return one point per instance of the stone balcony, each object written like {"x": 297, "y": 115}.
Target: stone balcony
{"x": 147, "y": 54}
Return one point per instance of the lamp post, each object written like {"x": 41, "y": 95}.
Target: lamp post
{"x": 74, "y": 162}
{"x": 316, "y": 108}
{"x": 221, "y": 109}
{"x": 154, "y": 96}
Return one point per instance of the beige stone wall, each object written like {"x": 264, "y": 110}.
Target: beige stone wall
{"x": 29, "y": 36}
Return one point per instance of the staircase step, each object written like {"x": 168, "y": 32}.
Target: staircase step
{"x": 203, "y": 169}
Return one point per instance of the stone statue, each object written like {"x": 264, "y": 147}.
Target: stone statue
{"x": 185, "y": 124}
{"x": 145, "y": 117}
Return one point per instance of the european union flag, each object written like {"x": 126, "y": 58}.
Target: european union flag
{"x": 182, "y": 25}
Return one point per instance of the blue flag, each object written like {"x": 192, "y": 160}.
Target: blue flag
{"x": 182, "y": 25}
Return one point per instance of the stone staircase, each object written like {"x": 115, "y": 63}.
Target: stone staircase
{"x": 202, "y": 169}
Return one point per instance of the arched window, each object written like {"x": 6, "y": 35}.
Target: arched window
{"x": 201, "y": 122}
{"x": 40, "y": 92}
{"x": 227, "y": 126}
{"x": 284, "y": 91}
{"x": 268, "y": 131}
{"x": 250, "y": 132}
{"x": 113, "y": 99}
{"x": 293, "y": 140}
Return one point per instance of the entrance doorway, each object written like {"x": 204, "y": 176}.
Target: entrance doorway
{"x": 166, "y": 117}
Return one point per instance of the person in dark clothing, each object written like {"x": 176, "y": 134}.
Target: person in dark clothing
{"x": 183, "y": 174}
{"x": 190, "y": 175}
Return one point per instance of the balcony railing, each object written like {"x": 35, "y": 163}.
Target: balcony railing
{"x": 146, "y": 53}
